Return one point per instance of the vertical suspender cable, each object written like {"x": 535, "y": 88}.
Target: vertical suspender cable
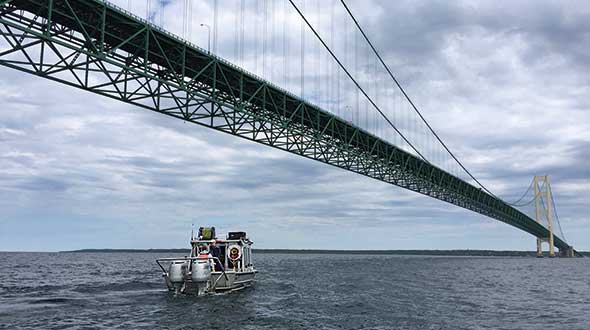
{"x": 188, "y": 20}
{"x": 272, "y": 41}
{"x": 271, "y": 48}
{"x": 302, "y": 65}
{"x": 237, "y": 32}
{"x": 191, "y": 20}
{"x": 215, "y": 23}
{"x": 376, "y": 91}
{"x": 256, "y": 36}
{"x": 410, "y": 101}
{"x": 264, "y": 27}
{"x": 162, "y": 16}
{"x": 160, "y": 13}
{"x": 352, "y": 78}
{"x": 318, "y": 64}
{"x": 184, "y": 13}
{"x": 284, "y": 16}
{"x": 370, "y": 121}
{"x": 345, "y": 46}
{"x": 242, "y": 8}
{"x": 330, "y": 63}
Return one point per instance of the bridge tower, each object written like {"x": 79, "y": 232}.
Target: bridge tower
{"x": 543, "y": 208}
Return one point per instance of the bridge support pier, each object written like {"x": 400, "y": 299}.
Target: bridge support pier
{"x": 543, "y": 209}
{"x": 567, "y": 253}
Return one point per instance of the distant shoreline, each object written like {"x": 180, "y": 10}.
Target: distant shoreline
{"x": 467, "y": 253}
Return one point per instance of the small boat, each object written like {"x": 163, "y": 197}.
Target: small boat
{"x": 214, "y": 265}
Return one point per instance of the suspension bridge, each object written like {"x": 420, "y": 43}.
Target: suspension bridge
{"x": 350, "y": 112}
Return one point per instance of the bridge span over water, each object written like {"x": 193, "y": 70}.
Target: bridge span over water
{"x": 98, "y": 47}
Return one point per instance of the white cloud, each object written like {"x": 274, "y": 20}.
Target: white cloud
{"x": 507, "y": 89}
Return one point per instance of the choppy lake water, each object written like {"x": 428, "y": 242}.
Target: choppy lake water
{"x": 126, "y": 291}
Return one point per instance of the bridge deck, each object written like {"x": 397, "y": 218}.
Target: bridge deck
{"x": 98, "y": 47}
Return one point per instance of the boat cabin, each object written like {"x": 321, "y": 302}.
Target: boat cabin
{"x": 234, "y": 252}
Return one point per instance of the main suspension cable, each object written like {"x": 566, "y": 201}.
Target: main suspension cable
{"x": 532, "y": 200}
{"x": 410, "y": 101}
{"x": 354, "y": 80}
{"x": 557, "y": 218}
{"x": 523, "y": 195}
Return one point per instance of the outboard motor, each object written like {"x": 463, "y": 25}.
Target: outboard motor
{"x": 201, "y": 270}
{"x": 176, "y": 272}
{"x": 200, "y": 275}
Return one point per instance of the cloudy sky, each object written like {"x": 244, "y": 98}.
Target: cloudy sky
{"x": 505, "y": 83}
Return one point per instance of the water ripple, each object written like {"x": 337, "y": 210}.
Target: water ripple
{"x": 126, "y": 291}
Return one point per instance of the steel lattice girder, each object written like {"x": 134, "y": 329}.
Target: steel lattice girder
{"x": 98, "y": 47}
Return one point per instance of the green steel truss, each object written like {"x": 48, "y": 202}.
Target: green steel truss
{"x": 100, "y": 48}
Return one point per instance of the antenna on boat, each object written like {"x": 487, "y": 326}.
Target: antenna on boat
{"x": 192, "y": 231}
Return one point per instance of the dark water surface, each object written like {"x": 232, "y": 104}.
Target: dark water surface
{"x": 126, "y": 291}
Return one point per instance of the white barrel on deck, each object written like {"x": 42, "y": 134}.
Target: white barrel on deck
{"x": 201, "y": 270}
{"x": 176, "y": 271}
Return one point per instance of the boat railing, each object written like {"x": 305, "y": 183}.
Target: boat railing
{"x": 208, "y": 241}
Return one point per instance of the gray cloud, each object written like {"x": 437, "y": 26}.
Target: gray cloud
{"x": 505, "y": 84}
